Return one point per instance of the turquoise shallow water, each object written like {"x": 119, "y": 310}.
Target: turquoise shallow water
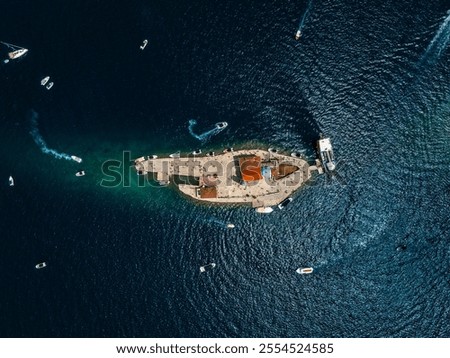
{"x": 124, "y": 261}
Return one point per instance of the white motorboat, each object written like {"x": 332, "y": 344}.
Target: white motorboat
{"x": 80, "y": 173}
{"x": 11, "y": 181}
{"x": 304, "y": 270}
{"x": 16, "y": 52}
{"x": 402, "y": 247}
{"x": 49, "y": 86}
{"x": 45, "y": 80}
{"x": 77, "y": 159}
{"x": 144, "y": 43}
{"x": 298, "y": 35}
{"x": 230, "y": 226}
{"x": 207, "y": 267}
{"x": 221, "y": 125}
{"x": 175, "y": 155}
{"x": 284, "y": 203}
{"x": 264, "y": 210}
{"x": 41, "y": 265}
{"x": 326, "y": 154}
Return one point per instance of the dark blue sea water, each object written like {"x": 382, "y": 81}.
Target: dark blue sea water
{"x": 124, "y": 261}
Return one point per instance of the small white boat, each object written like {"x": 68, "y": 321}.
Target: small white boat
{"x": 41, "y": 265}
{"x": 49, "y": 85}
{"x": 16, "y": 52}
{"x": 77, "y": 159}
{"x": 207, "y": 267}
{"x": 401, "y": 247}
{"x": 221, "y": 125}
{"x": 11, "y": 181}
{"x": 197, "y": 152}
{"x": 326, "y": 154}
{"x": 264, "y": 210}
{"x": 45, "y": 80}
{"x": 80, "y": 173}
{"x": 144, "y": 43}
{"x": 175, "y": 155}
{"x": 230, "y": 226}
{"x": 272, "y": 150}
{"x": 284, "y": 203}
{"x": 298, "y": 35}
{"x": 304, "y": 270}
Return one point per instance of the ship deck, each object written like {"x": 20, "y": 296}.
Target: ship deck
{"x": 218, "y": 178}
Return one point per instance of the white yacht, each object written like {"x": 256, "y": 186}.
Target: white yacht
{"x": 304, "y": 270}
{"x": 45, "y": 80}
{"x": 298, "y": 35}
{"x": 41, "y": 265}
{"x": 144, "y": 43}
{"x": 16, "y": 52}
{"x": 207, "y": 267}
{"x": 80, "y": 173}
{"x": 221, "y": 125}
{"x": 264, "y": 210}
{"x": 230, "y": 226}
{"x": 49, "y": 85}
{"x": 77, "y": 159}
{"x": 284, "y": 203}
{"x": 326, "y": 154}
{"x": 11, "y": 181}
{"x": 175, "y": 155}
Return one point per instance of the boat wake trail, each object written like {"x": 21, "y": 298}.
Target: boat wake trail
{"x": 37, "y": 137}
{"x": 439, "y": 42}
{"x": 302, "y": 20}
{"x": 204, "y": 137}
{"x": 217, "y": 222}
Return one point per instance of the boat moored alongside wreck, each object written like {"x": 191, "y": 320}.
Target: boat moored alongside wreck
{"x": 326, "y": 154}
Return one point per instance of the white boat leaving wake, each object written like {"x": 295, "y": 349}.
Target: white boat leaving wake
{"x": 144, "y": 44}
{"x": 205, "y": 136}
{"x": 76, "y": 159}
{"x": 207, "y": 267}
{"x": 15, "y": 53}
